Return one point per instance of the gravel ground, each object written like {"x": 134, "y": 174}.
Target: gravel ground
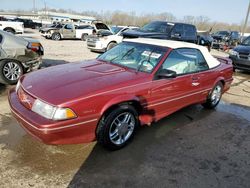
{"x": 191, "y": 148}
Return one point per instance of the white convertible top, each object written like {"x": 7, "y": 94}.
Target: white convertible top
{"x": 211, "y": 61}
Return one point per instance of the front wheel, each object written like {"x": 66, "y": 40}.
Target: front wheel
{"x": 111, "y": 45}
{"x": 115, "y": 130}
{"x": 214, "y": 97}
{"x": 56, "y": 36}
{"x": 84, "y": 37}
{"x": 10, "y": 71}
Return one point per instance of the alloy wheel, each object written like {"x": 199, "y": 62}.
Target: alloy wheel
{"x": 122, "y": 128}
{"x": 12, "y": 71}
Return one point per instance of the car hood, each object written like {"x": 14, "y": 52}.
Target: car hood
{"x": 242, "y": 49}
{"x": 63, "y": 83}
{"x": 48, "y": 29}
{"x": 217, "y": 36}
{"x": 139, "y": 33}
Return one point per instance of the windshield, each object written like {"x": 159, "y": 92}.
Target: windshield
{"x": 115, "y": 29}
{"x": 246, "y": 42}
{"x": 158, "y": 27}
{"x": 141, "y": 57}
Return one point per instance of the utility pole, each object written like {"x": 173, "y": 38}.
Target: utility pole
{"x": 246, "y": 20}
{"x": 34, "y": 6}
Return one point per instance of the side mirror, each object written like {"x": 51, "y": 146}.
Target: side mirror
{"x": 165, "y": 73}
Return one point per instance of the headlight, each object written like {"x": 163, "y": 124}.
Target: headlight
{"x": 51, "y": 112}
{"x": 233, "y": 53}
{"x": 17, "y": 85}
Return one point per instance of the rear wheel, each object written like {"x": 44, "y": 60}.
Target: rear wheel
{"x": 214, "y": 97}
{"x": 111, "y": 45}
{"x": 117, "y": 128}
{"x": 56, "y": 36}
{"x": 10, "y": 71}
{"x": 84, "y": 37}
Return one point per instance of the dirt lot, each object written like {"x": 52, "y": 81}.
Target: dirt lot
{"x": 191, "y": 148}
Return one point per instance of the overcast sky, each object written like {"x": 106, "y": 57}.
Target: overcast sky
{"x": 231, "y": 11}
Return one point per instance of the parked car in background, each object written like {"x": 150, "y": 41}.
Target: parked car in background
{"x": 137, "y": 82}
{"x": 105, "y": 40}
{"x": 205, "y": 39}
{"x": 229, "y": 38}
{"x": 28, "y": 23}
{"x": 165, "y": 30}
{"x": 47, "y": 29}
{"x": 12, "y": 27}
{"x": 71, "y": 31}
{"x": 240, "y": 55}
{"x": 17, "y": 56}
{"x": 171, "y": 31}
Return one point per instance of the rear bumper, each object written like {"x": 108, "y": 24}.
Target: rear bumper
{"x": 33, "y": 64}
{"x": 52, "y": 132}
{"x": 243, "y": 64}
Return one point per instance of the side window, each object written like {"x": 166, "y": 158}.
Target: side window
{"x": 1, "y": 39}
{"x": 89, "y": 27}
{"x": 201, "y": 62}
{"x": 178, "y": 29}
{"x": 185, "y": 61}
{"x": 68, "y": 26}
{"x": 189, "y": 31}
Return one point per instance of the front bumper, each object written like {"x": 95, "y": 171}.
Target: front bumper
{"x": 239, "y": 63}
{"x": 52, "y": 132}
{"x": 46, "y": 35}
{"x": 96, "y": 46}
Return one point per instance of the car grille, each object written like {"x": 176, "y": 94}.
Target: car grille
{"x": 25, "y": 99}
{"x": 244, "y": 55}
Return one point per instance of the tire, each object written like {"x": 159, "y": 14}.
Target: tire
{"x": 111, "y": 45}
{"x": 113, "y": 132}
{"x": 214, "y": 96}
{"x": 84, "y": 37}
{"x": 10, "y": 30}
{"x": 10, "y": 71}
{"x": 56, "y": 36}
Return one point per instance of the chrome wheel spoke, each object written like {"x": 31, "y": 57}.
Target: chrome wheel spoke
{"x": 122, "y": 128}
{"x": 114, "y": 134}
{"x": 126, "y": 118}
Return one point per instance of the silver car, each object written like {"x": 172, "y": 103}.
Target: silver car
{"x": 17, "y": 56}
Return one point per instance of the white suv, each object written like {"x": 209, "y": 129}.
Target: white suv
{"x": 106, "y": 40}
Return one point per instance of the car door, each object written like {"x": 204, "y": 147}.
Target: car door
{"x": 177, "y": 32}
{"x": 169, "y": 95}
{"x": 68, "y": 31}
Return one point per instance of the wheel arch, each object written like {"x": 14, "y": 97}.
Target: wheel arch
{"x": 113, "y": 41}
{"x": 121, "y": 100}
{"x": 10, "y": 28}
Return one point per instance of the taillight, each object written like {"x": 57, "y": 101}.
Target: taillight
{"x": 34, "y": 46}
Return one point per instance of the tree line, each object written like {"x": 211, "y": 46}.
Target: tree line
{"x": 202, "y": 23}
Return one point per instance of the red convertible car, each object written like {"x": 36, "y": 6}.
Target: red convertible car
{"x": 136, "y": 83}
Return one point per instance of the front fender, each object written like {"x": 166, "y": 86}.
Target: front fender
{"x": 118, "y": 100}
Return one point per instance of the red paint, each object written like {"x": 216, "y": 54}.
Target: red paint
{"x": 90, "y": 88}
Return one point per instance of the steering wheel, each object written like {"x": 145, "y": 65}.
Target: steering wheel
{"x": 145, "y": 60}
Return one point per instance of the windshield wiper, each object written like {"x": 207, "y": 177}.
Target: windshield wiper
{"x": 127, "y": 53}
